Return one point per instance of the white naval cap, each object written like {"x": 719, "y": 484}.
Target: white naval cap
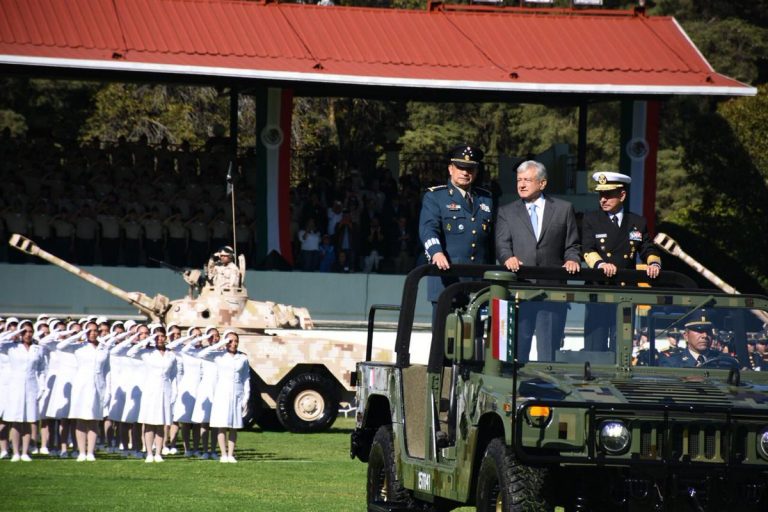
{"x": 228, "y": 332}
{"x": 607, "y": 180}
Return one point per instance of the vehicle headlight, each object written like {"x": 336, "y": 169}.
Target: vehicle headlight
{"x": 538, "y": 415}
{"x": 614, "y": 437}
{"x": 762, "y": 443}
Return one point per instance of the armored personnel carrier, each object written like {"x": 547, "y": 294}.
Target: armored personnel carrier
{"x": 629, "y": 420}
{"x": 300, "y": 378}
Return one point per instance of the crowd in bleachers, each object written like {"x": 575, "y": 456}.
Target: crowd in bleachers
{"x": 132, "y": 203}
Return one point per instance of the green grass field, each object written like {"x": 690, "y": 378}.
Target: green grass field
{"x": 276, "y": 471}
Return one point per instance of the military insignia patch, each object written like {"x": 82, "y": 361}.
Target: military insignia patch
{"x": 453, "y": 207}
{"x": 447, "y": 227}
{"x": 635, "y": 235}
{"x": 601, "y": 235}
{"x": 485, "y": 207}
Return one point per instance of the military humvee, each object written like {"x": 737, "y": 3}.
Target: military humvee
{"x": 617, "y": 428}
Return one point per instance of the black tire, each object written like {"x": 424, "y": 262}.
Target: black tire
{"x": 309, "y": 402}
{"x": 507, "y": 486}
{"x": 382, "y": 484}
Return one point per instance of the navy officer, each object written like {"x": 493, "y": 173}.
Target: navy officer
{"x": 612, "y": 239}
{"x": 455, "y": 224}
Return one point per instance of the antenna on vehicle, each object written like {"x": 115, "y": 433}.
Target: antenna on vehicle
{"x": 231, "y": 194}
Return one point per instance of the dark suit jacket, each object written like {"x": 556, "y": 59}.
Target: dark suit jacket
{"x": 602, "y": 240}
{"x": 559, "y": 240}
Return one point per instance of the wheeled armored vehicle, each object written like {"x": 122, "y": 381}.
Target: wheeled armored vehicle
{"x": 300, "y": 377}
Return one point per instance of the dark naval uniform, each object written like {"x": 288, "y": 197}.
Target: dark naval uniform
{"x": 604, "y": 242}
{"x": 449, "y": 225}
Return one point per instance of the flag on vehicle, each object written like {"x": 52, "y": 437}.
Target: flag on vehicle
{"x": 502, "y": 330}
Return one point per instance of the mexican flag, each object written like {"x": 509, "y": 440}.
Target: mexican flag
{"x": 502, "y": 330}
{"x": 274, "y": 109}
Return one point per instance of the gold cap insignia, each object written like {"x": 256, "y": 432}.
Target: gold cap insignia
{"x": 602, "y": 180}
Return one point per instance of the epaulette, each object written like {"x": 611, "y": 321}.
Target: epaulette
{"x": 436, "y": 187}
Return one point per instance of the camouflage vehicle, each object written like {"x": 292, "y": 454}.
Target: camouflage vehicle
{"x": 299, "y": 377}
{"x": 618, "y": 429}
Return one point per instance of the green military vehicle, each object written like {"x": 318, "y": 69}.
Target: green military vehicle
{"x": 630, "y": 422}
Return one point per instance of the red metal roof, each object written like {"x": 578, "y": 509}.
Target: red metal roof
{"x": 453, "y": 49}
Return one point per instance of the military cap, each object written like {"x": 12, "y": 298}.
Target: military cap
{"x": 466, "y": 156}
{"x": 610, "y": 180}
{"x": 11, "y": 320}
{"x": 225, "y": 250}
{"x": 701, "y": 324}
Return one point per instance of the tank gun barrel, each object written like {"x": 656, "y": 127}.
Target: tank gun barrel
{"x": 154, "y": 308}
{"x": 670, "y": 246}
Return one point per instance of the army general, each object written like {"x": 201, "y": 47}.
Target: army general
{"x": 455, "y": 224}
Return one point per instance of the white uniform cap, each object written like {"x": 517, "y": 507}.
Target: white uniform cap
{"x": 101, "y": 320}
{"x": 25, "y": 321}
{"x": 116, "y": 323}
{"x": 128, "y": 324}
{"x": 610, "y": 180}
{"x": 53, "y": 323}
{"x": 11, "y": 320}
{"x": 41, "y": 316}
{"x": 209, "y": 329}
{"x": 228, "y": 332}
{"x": 189, "y": 331}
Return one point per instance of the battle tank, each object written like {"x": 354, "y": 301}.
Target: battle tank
{"x": 298, "y": 379}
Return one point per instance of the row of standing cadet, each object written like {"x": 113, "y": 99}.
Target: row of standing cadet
{"x": 130, "y": 384}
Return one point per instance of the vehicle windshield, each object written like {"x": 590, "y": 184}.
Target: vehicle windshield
{"x": 716, "y": 337}
{"x": 667, "y": 335}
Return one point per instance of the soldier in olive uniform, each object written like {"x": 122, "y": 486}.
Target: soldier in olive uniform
{"x": 455, "y": 224}
{"x": 612, "y": 239}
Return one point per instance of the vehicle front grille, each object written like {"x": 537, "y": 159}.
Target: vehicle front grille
{"x": 688, "y": 442}
{"x": 644, "y": 392}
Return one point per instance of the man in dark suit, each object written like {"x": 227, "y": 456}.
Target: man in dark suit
{"x": 612, "y": 239}
{"x": 455, "y": 224}
{"x": 538, "y": 230}
{"x": 698, "y": 339}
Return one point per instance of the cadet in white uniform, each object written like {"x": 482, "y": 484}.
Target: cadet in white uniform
{"x": 201, "y": 414}
{"x": 89, "y": 389}
{"x": 159, "y": 375}
{"x": 188, "y": 384}
{"x": 132, "y": 383}
{"x": 230, "y": 397}
{"x": 26, "y": 381}
{"x": 62, "y": 367}
{"x": 5, "y": 372}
